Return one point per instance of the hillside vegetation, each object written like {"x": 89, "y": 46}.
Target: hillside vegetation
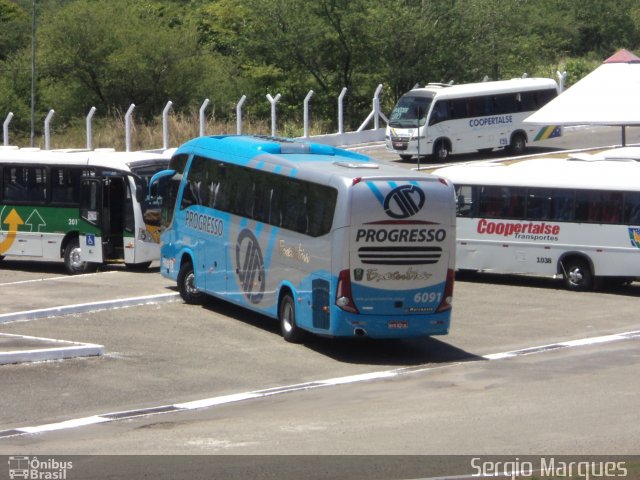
{"x": 112, "y": 53}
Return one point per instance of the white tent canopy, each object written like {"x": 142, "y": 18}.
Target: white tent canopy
{"x": 610, "y": 95}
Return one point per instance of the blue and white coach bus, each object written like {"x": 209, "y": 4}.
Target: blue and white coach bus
{"x": 323, "y": 239}
{"x": 440, "y": 119}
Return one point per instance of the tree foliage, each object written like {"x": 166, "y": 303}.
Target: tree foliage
{"x": 111, "y": 53}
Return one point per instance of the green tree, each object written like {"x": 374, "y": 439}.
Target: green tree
{"x": 110, "y": 53}
{"x": 15, "y": 28}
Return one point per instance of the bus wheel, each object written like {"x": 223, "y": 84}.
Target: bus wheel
{"x": 287, "y": 316}
{"x": 577, "y": 275}
{"x": 518, "y": 144}
{"x": 187, "y": 287}
{"x": 441, "y": 151}
{"x": 73, "y": 260}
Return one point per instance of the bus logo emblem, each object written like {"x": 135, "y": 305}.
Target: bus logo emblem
{"x": 404, "y": 201}
{"x": 250, "y": 266}
{"x": 634, "y": 237}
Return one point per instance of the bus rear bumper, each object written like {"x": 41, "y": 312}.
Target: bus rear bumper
{"x": 390, "y": 327}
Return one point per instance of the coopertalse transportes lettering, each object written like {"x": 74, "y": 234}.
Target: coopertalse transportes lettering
{"x": 481, "y": 122}
{"x": 507, "y": 229}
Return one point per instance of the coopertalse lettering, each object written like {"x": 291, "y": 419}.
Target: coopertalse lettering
{"x": 481, "y": 122}
{"x": 205, "y": 223}
{"x": 401, "y": 235}
{"x": 508, "y": 229}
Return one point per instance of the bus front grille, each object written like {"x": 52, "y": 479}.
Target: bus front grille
{"x": 399, "y": 255}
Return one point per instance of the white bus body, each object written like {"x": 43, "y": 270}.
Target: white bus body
{"x": 576, "y": 217}
{"x": 442, "y": 119}
{"x": 87, "y": 207}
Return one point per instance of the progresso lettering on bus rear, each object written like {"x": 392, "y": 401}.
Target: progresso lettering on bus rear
{"x": 412, "y": 235}
{"x": 204, "y": 223}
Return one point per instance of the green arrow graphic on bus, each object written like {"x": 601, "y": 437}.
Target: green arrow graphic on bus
{"x": 14, "y": 221}
{"x": 35, "y": 219}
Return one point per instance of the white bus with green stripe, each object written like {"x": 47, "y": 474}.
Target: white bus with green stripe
{"x": 86, "y": 207}
{"x": 442, "y": 119}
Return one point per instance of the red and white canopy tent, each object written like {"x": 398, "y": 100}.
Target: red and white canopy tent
{"x": 610, "y": 95}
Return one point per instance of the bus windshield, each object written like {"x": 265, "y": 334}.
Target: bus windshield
{"x": 410, "y": 110}
{"x": 151, "y": 204}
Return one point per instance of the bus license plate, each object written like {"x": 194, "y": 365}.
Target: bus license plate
{"x": 398, "y": 324}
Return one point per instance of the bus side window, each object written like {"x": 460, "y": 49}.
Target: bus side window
{"x": 562, "y": 205}
{"x": 263, "y": 198}
{"x": 440, "y": 113}
{"x": 588, "y": 206}
{"x": 632, "y": 208}
{"x": 515, "y": 198}
{"x": 538, "y": 204}
{"x": 490, "y": 204}
{"x": 195, "y": 190}
{"x": 294, "y": 213}
{"x": 13, "y": 189}
{"x": 65, "y": 185}
{"x": 611, "y": 207}
{"x": 464, "y": 206}
{"x": 458, "y": 109}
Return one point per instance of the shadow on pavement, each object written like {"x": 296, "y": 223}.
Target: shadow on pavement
{"x": 407, "y": 352}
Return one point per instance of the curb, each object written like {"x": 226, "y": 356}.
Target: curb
{"x": 51, "y": 349}
{"x": 87, "y": 307}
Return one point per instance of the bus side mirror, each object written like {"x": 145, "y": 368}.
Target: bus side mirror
{"x": 156, "y": 178}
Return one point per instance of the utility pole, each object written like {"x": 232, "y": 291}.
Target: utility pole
{"x": 33, "y": 74}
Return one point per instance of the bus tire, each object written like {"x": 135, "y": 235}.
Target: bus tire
{"x": 518, "y": 144}
{"x": 577, "y": 275}
{"x": 441, "y": 151}
{"x": 186, "y": 285}
{"x": 287, "y": 316}
{"x": 72, "y": 259}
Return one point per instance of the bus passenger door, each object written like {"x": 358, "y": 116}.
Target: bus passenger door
{"x": 117, "y": 219}
{"x": 90, "y": 227}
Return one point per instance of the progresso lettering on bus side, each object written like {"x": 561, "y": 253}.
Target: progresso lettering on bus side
{"x": 205, "y": 223}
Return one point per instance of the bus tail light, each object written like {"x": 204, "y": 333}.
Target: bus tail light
{"x": 447, "y": 298}
{"x": 344, "y": 300}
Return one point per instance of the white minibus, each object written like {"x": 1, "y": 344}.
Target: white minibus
{"x": 441, "y": 119}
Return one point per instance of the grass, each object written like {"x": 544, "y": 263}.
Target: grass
{"x": 111, "y": 133}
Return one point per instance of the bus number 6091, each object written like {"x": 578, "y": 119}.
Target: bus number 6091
{"x": 427, "y": 297}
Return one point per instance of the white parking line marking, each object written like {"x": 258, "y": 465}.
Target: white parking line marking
{"x": 239, "y": 397}
{"x": 88, "y": 307}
